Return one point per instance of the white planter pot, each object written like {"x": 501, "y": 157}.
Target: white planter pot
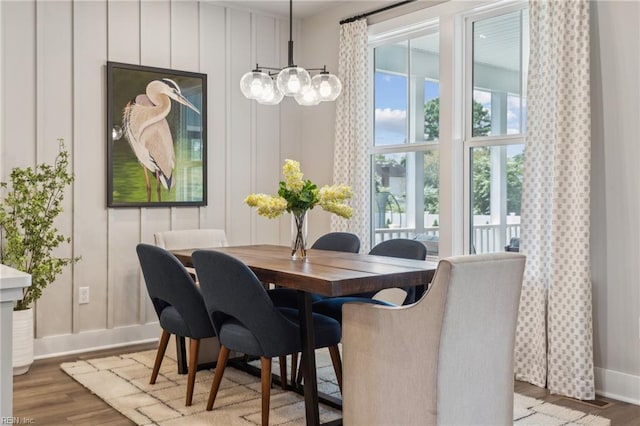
{"x": 22, "y": 341}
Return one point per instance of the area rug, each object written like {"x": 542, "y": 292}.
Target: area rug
{"x": 123, "y": 383}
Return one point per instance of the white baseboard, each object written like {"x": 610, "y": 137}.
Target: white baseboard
{"x": 621, "y": 386}
{"x": 65, "y": 344}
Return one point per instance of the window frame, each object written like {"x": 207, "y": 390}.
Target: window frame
{"x": 453, "y": 21}
{"x": 469, "y": 141}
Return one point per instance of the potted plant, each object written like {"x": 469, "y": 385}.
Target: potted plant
{"x": 31, "y": 203}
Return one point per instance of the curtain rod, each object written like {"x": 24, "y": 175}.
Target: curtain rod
{"x": 373, "y": 12}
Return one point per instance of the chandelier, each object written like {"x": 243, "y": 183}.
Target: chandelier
{"x": 270, "y": 87}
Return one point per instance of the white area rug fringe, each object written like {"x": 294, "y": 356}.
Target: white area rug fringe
{"x": 123, "y": 383}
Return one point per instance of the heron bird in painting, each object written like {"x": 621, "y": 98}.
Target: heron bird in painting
{"x": 148, "y": 133}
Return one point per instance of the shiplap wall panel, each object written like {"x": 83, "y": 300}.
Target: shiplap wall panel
{"x": 246, "y": 143}
{"x": 124, "y": 223}
{"x": 184, "y": 56}
{"x": 54, "y": 111}
{"x": 213, "y": 63}
{"x": 239, "y": 134}
{"x": 266, "y": 143}
{"x": 155, "y": 33}
{"x": 19, "y": 85}
{"x": 89, "y": 165}
{"x": 155, "y": 51}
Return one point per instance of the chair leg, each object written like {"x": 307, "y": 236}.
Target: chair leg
{"x": 294, "y": 367}
{"x": 265, "y": 364}
{"x": 300, "y": 374}
{"x": 337, "y": 364}
{"x": 283, "y": 372}
{"x": 223, "y": 356}
{"x": 194, "y": 347}
{"x": 162, "y": 347}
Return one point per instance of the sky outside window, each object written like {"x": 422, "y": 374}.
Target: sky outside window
{"x": 391, "y": 106}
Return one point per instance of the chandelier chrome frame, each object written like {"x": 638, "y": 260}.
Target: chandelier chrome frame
{"x": 291, "y": 80}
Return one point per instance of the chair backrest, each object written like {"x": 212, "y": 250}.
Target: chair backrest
{"x": 169, "y": 284}
{"x": 451, "y": 352}
{"x": 191, "y": 238}
{"x": 231, "y": 289}
{"x": 403, "y": 248}
{"x": 475, "y": 361}
{"x": 338, "y": 241}
{"x": 514, "y": 244}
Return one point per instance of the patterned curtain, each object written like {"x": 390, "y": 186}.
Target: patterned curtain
{"x": 554, "y": 341}
{"x": 351, "y": 164}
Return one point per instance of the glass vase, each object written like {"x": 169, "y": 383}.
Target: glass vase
{"x": 299, "y": 235}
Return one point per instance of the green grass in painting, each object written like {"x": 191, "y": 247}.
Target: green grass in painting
{"x": 129, "y": 183}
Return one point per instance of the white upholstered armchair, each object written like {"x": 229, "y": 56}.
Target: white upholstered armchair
{"x": 445, "y": 360}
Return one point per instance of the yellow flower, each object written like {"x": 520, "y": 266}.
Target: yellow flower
{"x": 268, "y": 205}
{"x": 334, "y": 193}
{"x": 292, "y": 175}
{"x": 341, "y": 209}
{"x": 296, "y": 194}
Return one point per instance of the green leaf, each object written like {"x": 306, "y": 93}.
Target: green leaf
{"x": 27, "y": 215}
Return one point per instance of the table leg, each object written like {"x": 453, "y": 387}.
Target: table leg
{"x": 309, "y": 359}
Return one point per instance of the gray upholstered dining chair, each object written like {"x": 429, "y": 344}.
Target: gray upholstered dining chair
{"x": 177, "y": 239}
{"x": 332, "y": 306}
{"x": 451, "y": 353}
{"x": 246, "y": 320}
{"x": 178, "y": 305}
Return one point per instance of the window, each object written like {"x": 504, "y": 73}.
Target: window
{"x": 470, "y": 203}
{"x": 495, "y": 143}
{"x": 404, "y": 158}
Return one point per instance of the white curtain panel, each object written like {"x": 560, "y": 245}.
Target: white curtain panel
{"x": 554, "y": 341}
{"x": 351, "y": 165}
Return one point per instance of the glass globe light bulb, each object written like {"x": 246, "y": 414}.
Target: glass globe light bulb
{"x": 267, "y": 93}
{"x": 293, "y": 80}
{"x": 270, "y": 96}
{"x": 294, "y": 83}
{"x": 252, "y": 84}
{"x": 256, "y": 87}
{"x": 327, "y": 85}
{"x": 325, "y": 89}
{"x": 308, "y": 97}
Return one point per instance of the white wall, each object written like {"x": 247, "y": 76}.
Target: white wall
{"x": 616, "y": 196}
{"x": 54, "y": 85}
{"x": 615, "y": 177}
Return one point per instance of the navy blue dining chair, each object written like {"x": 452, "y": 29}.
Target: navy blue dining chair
{"x": 178, "y": 304}
{"x": 399, "y": 247}
{"x": 247, "y": 321}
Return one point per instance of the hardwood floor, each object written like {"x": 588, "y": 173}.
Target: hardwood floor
{"x": 47, "y": 396}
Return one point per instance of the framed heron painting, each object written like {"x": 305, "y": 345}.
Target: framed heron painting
{"x": 157, "y": 137}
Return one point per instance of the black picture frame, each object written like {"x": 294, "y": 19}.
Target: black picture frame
{"x": 143, "y": 136}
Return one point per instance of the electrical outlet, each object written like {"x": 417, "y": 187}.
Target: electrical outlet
{"x": 83, "y": 296}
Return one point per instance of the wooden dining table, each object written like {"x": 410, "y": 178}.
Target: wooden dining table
{"x": 328, "y": 273}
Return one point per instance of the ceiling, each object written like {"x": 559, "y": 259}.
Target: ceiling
{"x": 303, "y": 8}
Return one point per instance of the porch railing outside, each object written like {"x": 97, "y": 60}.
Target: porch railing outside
{"x": 486, "y": 238}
